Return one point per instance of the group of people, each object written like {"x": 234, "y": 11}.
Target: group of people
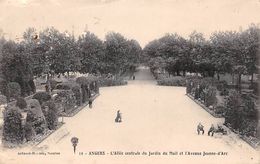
{"x": 211, "y": 131}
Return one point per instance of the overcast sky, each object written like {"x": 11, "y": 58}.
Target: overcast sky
{"x": 143, "y": 20}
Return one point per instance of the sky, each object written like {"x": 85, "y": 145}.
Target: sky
{"x": 143, "y": 20}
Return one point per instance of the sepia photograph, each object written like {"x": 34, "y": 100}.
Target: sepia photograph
{"x": 129, "y": 81}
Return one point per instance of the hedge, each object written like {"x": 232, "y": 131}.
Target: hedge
{"x": 42, "y": 97}
{"x": 104, "y": 82}
{"x": 173, "y": 81}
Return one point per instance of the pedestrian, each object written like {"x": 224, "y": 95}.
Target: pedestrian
{"x": 133, "y": 77}
{"x": 211, "y": 130}
{"x": 90, "y": 103}
{"x": 200, "y": 127}
{"x": 118, "y": 117}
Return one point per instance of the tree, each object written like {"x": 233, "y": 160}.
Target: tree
{"x": 91, "y": 50}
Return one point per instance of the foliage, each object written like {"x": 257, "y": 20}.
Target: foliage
{"x": 242, "y": 113}
{"x": 174, "y": 81}
{"x": 50, "y": 112}
{"x": 210, "y": 96}
{"x": 29, "y": 132}
{"x": 3, "y": 99}
{"x": 220, "y": 110}
{"x": 14, "y": 90}
{"x": 255, "y": 87}
{"x": 111, "y": 82}
{"x": 42, "y": 97}
{"x": 21, "y": 103}
{"x": 35, "y": 116}
{"x": 53, "y": 84}
{"x": 16, "y": 66}
{"x": 67, "y": 99}
{"x": 12, "y": 131}
{"x": 78, "y": 95}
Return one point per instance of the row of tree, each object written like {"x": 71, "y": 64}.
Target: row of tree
{"x": 52, "y": 52}
{"x": 225, "y": 52}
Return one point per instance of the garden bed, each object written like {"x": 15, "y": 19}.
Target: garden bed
{"x": 204, "y": 107}
{"x": 78, "y": 108}
{"x": 36, "y": 141}
{"x": 252, "y": 141}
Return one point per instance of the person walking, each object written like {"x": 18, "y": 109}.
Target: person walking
{"x": 211, "y": 130}
{"x": 200, "y": 128}
{"x": 90, "y": 103}
{"x": 118, "y": 116}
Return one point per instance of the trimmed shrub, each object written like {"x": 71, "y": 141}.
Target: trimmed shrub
{"x": 210, "y": 96}
{"x": 3, "y": 87}
{"x": 35, "y": 116}
{"x": 14, "y": 90}
{"x": 53, "y": 84}
{"x": 67, "y": 99}
{"x": 3, "y": 99}
{"x": 50, "y": 112}
{"x": 29, "y": 132}
{"x": 174, "y": 81}
{"x": 12, "y": 131}
{"x": 42, "y": 97}
{"x": 21, "y": 103}
{"x": 77, "y": 92}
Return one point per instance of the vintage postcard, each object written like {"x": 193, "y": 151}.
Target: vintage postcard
{"x": 129, "y": 81}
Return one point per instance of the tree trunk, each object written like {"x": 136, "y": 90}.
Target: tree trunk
{"x": 48, "y": 83}
{"x": 232, "y": 74}
{"x": 239, "y": 82}
{"x": 178, "y": 72}
{"x": 218, "y": 76}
